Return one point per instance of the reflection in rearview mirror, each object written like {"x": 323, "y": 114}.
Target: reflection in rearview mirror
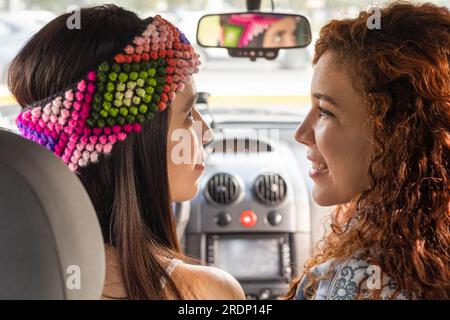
{"x": 254, "y": 31}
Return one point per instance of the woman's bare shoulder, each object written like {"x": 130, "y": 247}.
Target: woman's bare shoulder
{"x": 207, "y": 283}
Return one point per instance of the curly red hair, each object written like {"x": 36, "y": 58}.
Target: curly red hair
{"x": 401, "y": 223}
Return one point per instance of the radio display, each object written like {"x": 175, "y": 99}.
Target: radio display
{"x": 248, "y": 258}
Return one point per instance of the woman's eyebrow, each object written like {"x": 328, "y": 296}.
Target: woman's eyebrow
{"x": 190, "y": 102}
{"x": 322, "y": 96}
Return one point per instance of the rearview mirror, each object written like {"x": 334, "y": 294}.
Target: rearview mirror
{"x": 254, "y": 30}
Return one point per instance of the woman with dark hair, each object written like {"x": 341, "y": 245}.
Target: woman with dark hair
{"x": 113, "y": 99}
{"x": 378, "y": 136}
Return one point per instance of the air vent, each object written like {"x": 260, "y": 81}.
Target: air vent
{"x": 223, "y": 188}
{"x": 270, "y": 188}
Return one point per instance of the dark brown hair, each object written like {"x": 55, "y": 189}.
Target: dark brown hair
{"x": 402, "y": 222}
{"x": 129, "y": 188}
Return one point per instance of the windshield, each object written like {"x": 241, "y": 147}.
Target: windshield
{"x": 281, "y": 85}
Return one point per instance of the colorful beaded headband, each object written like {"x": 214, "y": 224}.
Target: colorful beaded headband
{"x": 84, "y": 121}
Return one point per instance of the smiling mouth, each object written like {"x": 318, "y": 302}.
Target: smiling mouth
{"x": 319, "y": 166}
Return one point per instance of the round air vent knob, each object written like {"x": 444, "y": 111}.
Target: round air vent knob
{"x": 274, "y": 218}
{"x": 223, "y": 189}
{"x": 223, "y": 219}
{"x": 270, "y": 189}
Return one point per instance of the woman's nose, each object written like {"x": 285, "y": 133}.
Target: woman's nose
{"x": 207, "y": 133}
{"x": 305, "y": 132}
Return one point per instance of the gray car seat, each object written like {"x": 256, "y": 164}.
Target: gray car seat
{"x": 51, "y": 245}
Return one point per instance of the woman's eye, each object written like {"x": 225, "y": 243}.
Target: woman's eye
{"x": 277, "y": 38}
{"x": 324, "y": 113}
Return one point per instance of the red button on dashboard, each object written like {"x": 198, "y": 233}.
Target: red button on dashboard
{"x": 248, "y": 218}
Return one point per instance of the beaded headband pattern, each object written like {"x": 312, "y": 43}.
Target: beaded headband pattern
{"x": 252, "y": 25}
{"x": 85, "y": 121}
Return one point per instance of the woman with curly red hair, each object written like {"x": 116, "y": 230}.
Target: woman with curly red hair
{"x": 378, "y": 136}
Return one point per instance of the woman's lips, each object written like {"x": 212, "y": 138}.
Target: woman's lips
{"x": 202, "y": 156}
{"x": 319, "y": 166}
{"x": 314, "y": 173}
{"x": 200, "y": 166}
{"x": 318, "y": 169}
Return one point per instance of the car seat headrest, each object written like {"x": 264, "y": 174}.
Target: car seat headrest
{"x": 51, "y": 246}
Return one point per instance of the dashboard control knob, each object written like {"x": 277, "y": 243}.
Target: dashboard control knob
{"x": 248, "y": 218}
{"x": 274, "y": 218}
{"x": 223, "y": 219}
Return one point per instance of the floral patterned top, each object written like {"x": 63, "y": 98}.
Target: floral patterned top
{"x": 347, "y": 278}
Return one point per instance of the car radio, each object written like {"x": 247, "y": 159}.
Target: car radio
{"x": 252, "y": 257}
